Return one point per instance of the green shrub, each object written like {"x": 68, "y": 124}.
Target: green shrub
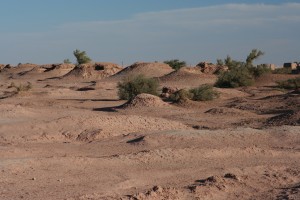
{"x": 67, "y": 61}
{"x": 81, "y": 57}
{"x": 175, "y": 64}
{"x": 237, "y": 77}
{"x": 290, "y": 84}
{"x": 204, "y": 93}
{"x": 259, "y": 70}
{"x": 181, "y": 95}
{"x": 132, "y": 86}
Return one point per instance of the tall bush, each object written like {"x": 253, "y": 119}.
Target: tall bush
{"x": 175, "y": 64}
{"x": 204, "y": 92}
{"x": 132, "y": 86}
{"x": 81, "y": 57}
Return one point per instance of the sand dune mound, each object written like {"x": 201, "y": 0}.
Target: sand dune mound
{"x": 94, "y": 70}
{"x": 59, "y": 69}
{"x": 145, "y": 100}
{"x": 61, "y": 66}
{"x": 35, "y": 71}
{"x": 184, "y": 72}
{"x": 271, "y": 79}
{"x": 187, "y": 77}
{"x": 150, "y": 69}
{"x": 20, "y": 69}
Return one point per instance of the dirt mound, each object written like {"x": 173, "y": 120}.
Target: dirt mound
{"x": 94, "y": 70}
{"x": 61, "y": 66}
{"x": 149, "y": 69}
{"x": 187, "y": 77}
{"x": 226, "y": 111}
{"x": 145, "y": 100}
{"x": 209, "y": 68}
{"x": 288, "y": 118}
{"x": 182, "y": 73}
{"x": 158, "y": 192}
{"x": 18, "y": 70}
{"x": 58, "y": 69}
{"x": 271, "y": 79}
{"x": 36, "y": 70}
{"x": 267, "y": 105}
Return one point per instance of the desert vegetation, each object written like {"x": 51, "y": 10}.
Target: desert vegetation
{"x": 290, "y": 84}
{"x": 175, "y": 64}
{"x": 134, "y": 85}
{"x": 241, "y": 73}
{"x": 96, "y": 130}
{"x": 81, "y": 57}
{"x": 204, "y": 92}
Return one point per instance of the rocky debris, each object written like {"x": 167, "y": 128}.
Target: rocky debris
{"x": 209, "y": 68}
{"x": 218, "y": 182}
{"x": 88, "y": 135}
{"x": 5, "y": 67}
{"x": 158, "y": 193}
{"x": 167, "y": 91}
{"x": 145, "y": 100}
{"x": 291, "y": 118}
{"x": 148, "y": 69}
{"x": 94, "y": 70}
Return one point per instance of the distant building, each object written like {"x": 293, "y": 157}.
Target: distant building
{"x": 292, "y": 66}
{"x": 271, "y": 66}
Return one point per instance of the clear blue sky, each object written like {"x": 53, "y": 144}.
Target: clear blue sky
{"x": 47, "y": 31}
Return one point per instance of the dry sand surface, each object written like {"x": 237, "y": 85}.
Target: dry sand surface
{"x": 73, "y": 139}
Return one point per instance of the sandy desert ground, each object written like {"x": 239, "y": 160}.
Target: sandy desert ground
{"x": 71, "y": 138}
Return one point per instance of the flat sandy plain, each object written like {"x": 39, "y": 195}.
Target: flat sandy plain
{"x": 69, "y": 137}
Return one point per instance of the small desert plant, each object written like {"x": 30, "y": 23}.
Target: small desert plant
{"x": 81, "y": 57}
{"x": 204, "y": 92}
{"x": 175, "y": 64}
{"x": 181, "y": 95}
{"x": 253, "y": 55}
{"x": 236, "y": 77}
{"x": 67, "y": 61}
{"x": 290, "y": 84}
{"x": 132, "y": 86}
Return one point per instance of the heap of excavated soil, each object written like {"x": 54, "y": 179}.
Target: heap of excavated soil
{"x": 97, "y": 70}
{"x": 145, "y": 100}
{"x": 20, "y": 69}
{"x": 184, "y": 72}
{"x": 33, "y": 72}
{"x": 2, "y": 66}
{"x": 59, "y": 69}
{"x": 271, "y": 79}
{"x": 148, "y": 69}
{"x": 187, "y": 77}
